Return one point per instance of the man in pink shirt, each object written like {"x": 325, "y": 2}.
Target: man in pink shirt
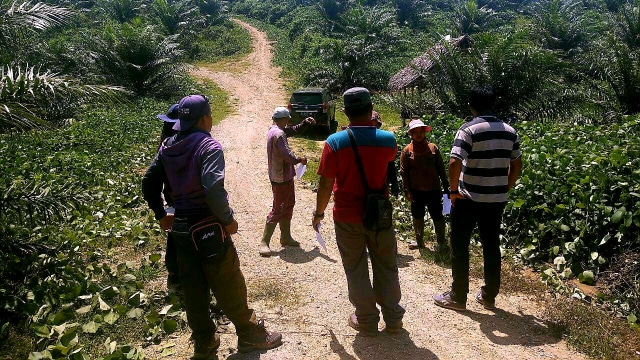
{"x": 281, "y": 172}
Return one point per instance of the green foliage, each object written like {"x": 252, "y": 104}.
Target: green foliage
{"x": 135, "y": 56}
{"x": 68, "y": 282}
{"x": 578, "y": 200}
{"x": 30, "y": 98}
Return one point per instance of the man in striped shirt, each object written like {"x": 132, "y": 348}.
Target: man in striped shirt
{"x": 484, "y": 165}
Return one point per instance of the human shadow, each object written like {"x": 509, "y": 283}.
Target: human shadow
{"x": 504, "y": 328}
{"x": 296, "y": 255}
{"x": 404, "y": 260}
{"x": 338, "y": 349}
{"x": 386, "y": 346}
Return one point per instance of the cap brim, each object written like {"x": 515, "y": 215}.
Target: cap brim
{"x": 165, "y": 118}
{"x": 184, "y": 125}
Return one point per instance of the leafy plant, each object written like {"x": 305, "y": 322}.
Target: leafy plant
{"x": 135, "y": 56}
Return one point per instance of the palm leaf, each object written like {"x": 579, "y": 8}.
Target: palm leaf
{"x": 38, "y": 16}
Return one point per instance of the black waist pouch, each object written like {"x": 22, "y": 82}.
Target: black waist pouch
{"x": 209, "y": 239}
{"x": 378, "y": 211}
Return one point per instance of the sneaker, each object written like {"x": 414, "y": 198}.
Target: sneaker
{"x": 207, "y": 351}
{"x": 415, "y": 246}
{"x": 393, "y": 328}
{"x": 261, "y": 339}
{"x": 446, "y": 301}
{"x": 487, "y": 304}
{"x": 353, "y": 322}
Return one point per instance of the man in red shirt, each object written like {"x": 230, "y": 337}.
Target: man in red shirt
{"x": 339, "y": 174}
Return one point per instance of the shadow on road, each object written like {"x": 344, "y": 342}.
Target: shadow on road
{"x": 385, "y": 346}
{"x": 296, "y": 255}
{"x": 504, "y": 328}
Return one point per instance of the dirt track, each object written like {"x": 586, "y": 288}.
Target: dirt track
{"x": 303, "y": 292}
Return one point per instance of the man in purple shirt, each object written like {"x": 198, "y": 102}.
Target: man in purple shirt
{"x": 192, "y": 162}
{"x": 281, "y": 162}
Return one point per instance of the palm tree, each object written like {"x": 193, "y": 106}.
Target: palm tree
{"x": 31, "y": 96}
{"x": 360, "y": 48}
{"x": 563, "y": 24}
{"x": 18, "y": 18}
{"x": 174, "y": 15}
{"x": 135, "y": 56}
{"x": 469, "y": 18}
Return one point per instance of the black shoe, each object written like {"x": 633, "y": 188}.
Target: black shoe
{"x": 260, "y": 339}
{"x": 487, "y": 304}
{"x": 353, "y": 322}
{"x": 394, "y": 328}
{"x": 446, "y": 301}
{"x": 207, "y": 351}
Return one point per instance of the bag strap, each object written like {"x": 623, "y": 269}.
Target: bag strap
{"x": 358, "y": 161}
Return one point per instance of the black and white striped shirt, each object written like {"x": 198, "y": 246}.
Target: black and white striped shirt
{"x": 486, "y": 146}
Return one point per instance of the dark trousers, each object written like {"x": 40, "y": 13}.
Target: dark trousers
{"x": 171, "y": 256}
{"x": 223, "y": 277}
{"x": 465, "y": 215}
{"x": 284, "y": 198}
{"x": 353, "y": 242}
{"x": 431, "y": 199}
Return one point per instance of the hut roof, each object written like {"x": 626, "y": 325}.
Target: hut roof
{"x": 423, "y": 63}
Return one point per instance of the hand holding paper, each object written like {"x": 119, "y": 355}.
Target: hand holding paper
{"x": 446, "y": 205}
{"x": 300, "y": 170}
{"x": 319, "y": 238}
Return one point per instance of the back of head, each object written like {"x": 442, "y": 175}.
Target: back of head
{"x": 357, "y": 102}
{"x": 482, "y": 98}
{"x": 191, "y": 109}
{"x": 280, "y": 113}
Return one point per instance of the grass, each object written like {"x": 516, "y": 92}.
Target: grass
{"x": 592, "y": 331}
{"x": 273, "y": 293}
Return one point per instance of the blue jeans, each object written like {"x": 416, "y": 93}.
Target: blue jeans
{"x": 465, "y": 216}
{"x": 353, "y": 242}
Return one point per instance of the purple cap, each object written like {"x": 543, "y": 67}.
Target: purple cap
{"x": 172, "y": 114}
{"x": 191, "y": 109}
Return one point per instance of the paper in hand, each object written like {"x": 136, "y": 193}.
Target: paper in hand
{"x": 320, "y": 240}
{"x": 446, "y": 205}
{"x": 300, "y": 170}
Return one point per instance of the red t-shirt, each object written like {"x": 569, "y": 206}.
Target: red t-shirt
{"x": 376, "y": 148}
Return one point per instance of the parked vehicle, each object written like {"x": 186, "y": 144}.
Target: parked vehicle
{"x": 315, "y": 102}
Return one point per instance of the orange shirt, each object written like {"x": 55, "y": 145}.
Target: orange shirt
{"x": 420, "y": 167}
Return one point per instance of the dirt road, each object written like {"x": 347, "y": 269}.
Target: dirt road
{"x": 303, "y": 292}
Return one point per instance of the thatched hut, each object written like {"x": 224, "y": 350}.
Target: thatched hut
{"x": 412, "y": 76}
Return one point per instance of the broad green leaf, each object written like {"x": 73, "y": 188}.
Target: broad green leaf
{"x": 604, "y": 240}
{"x": 631, "y": 318}
{"x": 111, "y": 317}
{"x": 594, "y": 255}
{"x": 135, "y": 313}
{"x": 617, "y": 216}
{"x": 42, "y": 331}
{"x": 586, "y": 277}
{"x": 169, "y": 326}
{"x": 155, "y": 257}
{"x": 103, "y": 305}
{"x": 564, "y": 227}
{"x": 90, "y": 327}
{"x": 83, "y": 310}
{"x": 518, "y": 203}
{"x": 165, "y": 310}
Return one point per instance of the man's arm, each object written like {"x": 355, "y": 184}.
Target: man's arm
{"x": 325, "y": 187}
{"x": 212, "y": 175}
{"x": 515, "y": 167}
{"x": 152, "y": 184}
{"x": 455, "y": 168}
{"x": 300, "y": 128}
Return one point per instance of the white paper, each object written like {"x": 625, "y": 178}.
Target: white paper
{"x": 320, "y": 240}
{"x": 446, "y": 204}
{"x": 300, "y": 170}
